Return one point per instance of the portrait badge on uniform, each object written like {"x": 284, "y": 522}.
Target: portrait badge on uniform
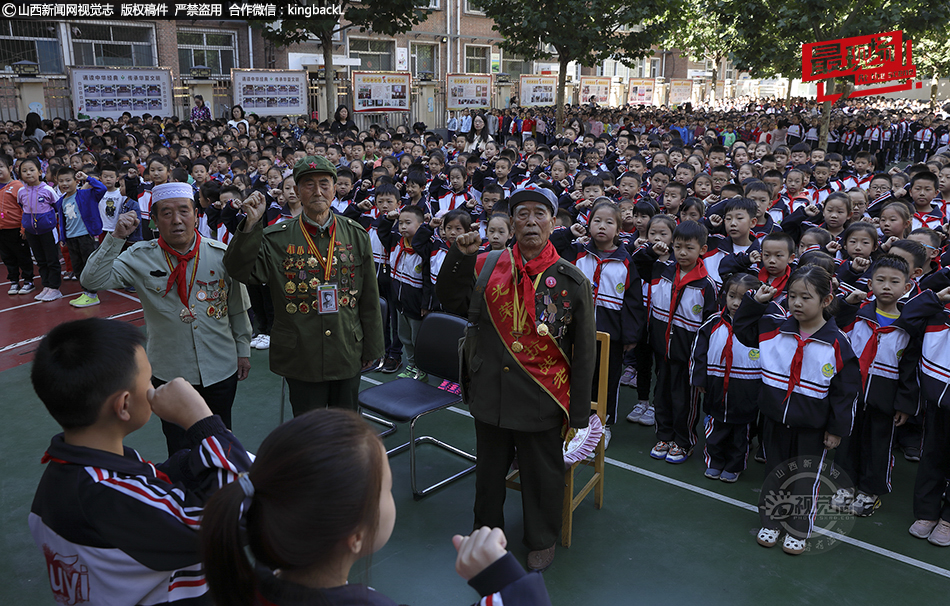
{"x": 327, "y": 299}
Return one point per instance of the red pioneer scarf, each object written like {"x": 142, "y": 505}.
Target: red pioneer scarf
{"x": 778, "y": 283}
{"x": 697, "y": 273}
{"x": 177, "y": 276}
{"x": 870, "y": 349}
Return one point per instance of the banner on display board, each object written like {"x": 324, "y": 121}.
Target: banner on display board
{"x": 598, "y": 88}
{"x": 641, "y": 91}
{"x": 271, "y": 92}
{"x": 108, "y": 92}
{"x": 381, "y": 91}
{"x": 681, "y": 91}
{"x": 538, "y": 90}
{"x": 468, "y": 91}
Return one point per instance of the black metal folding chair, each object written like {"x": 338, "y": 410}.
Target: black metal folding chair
{"x": 408, "y": 400}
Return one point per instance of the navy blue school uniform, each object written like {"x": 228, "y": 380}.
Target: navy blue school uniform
{"x": 410, "y": 271}
{"x": 888, "y": 357}
{"x": 678, "y": 307}
{"x": 798, "y": 222}
{"x": 618, "y": 302}
{"x": 729, "y": 373}
{"x": 381, "y": 253}
{"x": 760, "y": 231}
{"x": 721, "y": 251}
{"x": 433, "y": 248}
{"x": 810, "y": 386}
{"x": 850, "y": 280}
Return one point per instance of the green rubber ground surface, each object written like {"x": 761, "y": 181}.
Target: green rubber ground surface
{"x": 665, "y": 535}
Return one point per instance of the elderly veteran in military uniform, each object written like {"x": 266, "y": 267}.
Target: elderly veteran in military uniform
{"x": 195, "y": 313}
{"x": 529, "y": 358}
{"x": 320, "y": 272}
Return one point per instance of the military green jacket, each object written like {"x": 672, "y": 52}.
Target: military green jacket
{"x": 500, "y": 391}
{"x": 306, "y": 345}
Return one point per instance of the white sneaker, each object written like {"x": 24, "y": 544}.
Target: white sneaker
{"x": 649, "y": 416}
{"x": 255, "y": 341}
{"x": 42, "y": 295}
{"x": 264, "y": 342}
{"x": 26, "y": 289}
{"x": 14, "y": 288}
{"x": 606, "y": 437}
{"x": 637, "y": 412}
{"x": 52, "y": 295}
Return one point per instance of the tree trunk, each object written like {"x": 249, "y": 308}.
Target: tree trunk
{"x": 825, "y": 116}
{"x": 715, "y": 76}
{"x": 326, "y": 43}
{"x": 561, "y": 84}
{"x": 933, "y": 92}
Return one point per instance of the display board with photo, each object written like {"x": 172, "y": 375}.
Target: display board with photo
{"x": 102, "y": 92}
{"x": 598, "y": 88}
{"x": 469, "y": 91}
{"x": 381, "y": 91}
{"x": 271, "y": 92}
{"x": 538, "y": 90}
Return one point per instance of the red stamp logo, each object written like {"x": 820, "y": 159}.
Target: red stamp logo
{"x": 69, "y": 582}
{"x": 871, "y": 59}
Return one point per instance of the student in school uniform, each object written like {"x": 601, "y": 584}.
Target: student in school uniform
{"x": 682, "y": 297}
{"x": 810, "y": 378}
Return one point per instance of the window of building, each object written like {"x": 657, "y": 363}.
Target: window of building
{"x": 476, "y": 59}
{"x": 214, "y": 49}
{"x": 471, "y": 6}
{"x": 374, "y": 55}
{"x": 34, "y": 41}
{"x": 514, "y": 67}
{"x": 113, "y": 45}
{"x": 654, "y": 68}
{"x": 424, "y": 58}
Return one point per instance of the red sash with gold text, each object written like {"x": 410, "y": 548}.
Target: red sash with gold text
{"x": 539, "y": 355}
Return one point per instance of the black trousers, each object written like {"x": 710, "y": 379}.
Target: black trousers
{"x": 15, "y": 253}
{"x": 727, "y": 445}
{"x": 644, "y": 359}
{"x": 46, "y": 253}
{"x": 934, "y": 468}
{"x": 865, "y": 456}
{"x": 219, "y": 397}
{"x": 391, "y": 342}
{"x": 675, "y": 403}
{"x": 541, "y": 463}
{"x": 306, "y": 396}
{"x": 80, "y": 249}
{"x": 614, "y": 370}
{"x": 783, "y": 444}
{"x": 262, "y": 306}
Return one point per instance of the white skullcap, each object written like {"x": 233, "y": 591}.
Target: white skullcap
{"x": 170, "y": 191}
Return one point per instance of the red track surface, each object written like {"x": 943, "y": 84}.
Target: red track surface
{"x": 24, "y": 321}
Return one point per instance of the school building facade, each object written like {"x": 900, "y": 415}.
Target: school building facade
{"x": 455, "y": 38}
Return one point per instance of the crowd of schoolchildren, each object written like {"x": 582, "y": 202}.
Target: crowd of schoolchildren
{"x": 790, "y": 297}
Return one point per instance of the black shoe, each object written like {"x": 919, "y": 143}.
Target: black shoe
{"x": 372, "y": 366}
{"x": 391, "y": 365}
{"x": 912, "y": 453}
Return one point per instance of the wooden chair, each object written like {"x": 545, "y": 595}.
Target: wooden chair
{"x": 596, "y": 483}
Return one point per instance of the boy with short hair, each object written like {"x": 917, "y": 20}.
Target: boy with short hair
{"x": 923, "y": 189}
{"x": 79, "y": 223}
{"x": 884, "y": 337}
{"x": 115, "y": 529}
{"x": 682, "y": 297}
{"x": 737, "y": 219}
{"x": 110, "y": 204}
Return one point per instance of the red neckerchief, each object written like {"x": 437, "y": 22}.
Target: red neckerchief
{"x": 778, "y": 283}
{"x": 534, "y": 267}
{"x": 795, "y": 372}
{"x": 870, "y": 349}
{"x": 600, "y": 265}
{"x": 726, "y": 359}
{"x": 405, "y": 248}
{"x": 177, "y": 276}
{"x": 679, "y": 284}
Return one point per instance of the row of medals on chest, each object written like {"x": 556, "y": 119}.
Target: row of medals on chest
{"x": 298, "y": 267}
{"x": 215, "y": 293}
{"x": 546, "y": 305}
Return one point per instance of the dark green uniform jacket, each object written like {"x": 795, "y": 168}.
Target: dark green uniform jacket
{"x": 306, "y": 345}
{"x": 501, "y": 393}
